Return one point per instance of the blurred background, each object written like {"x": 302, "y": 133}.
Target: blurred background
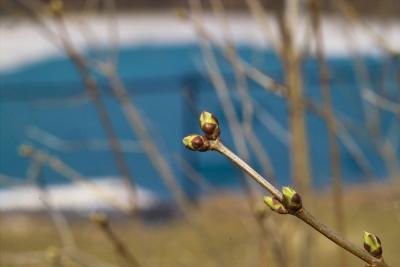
{"x": 96, "y": 96}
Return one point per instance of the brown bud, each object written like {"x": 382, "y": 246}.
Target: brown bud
{"x": 291, "y": 199}
{"x": 196, "y": 142}
{"x": 210, "y": 125}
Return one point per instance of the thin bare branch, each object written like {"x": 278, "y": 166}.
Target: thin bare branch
{"x": 381, "y": 102}
{"x": 302, "y": 214}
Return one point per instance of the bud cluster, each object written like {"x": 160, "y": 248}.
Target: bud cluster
{"x": 210, "y": 126}
{"x": 196, "y": 142}
{"x": 291, "y": 202}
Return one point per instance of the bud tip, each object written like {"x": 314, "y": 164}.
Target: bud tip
{"x": 275, "y": 205}
{"x": 210, "y": 125}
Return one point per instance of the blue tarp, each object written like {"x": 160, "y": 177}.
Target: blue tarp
{"x": 49, "y": 95}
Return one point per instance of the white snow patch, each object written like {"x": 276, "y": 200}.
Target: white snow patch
{"x": 75, "y": 196}
{"x": 22, "y": 42}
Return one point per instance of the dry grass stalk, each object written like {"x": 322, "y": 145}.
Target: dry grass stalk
{"x": 103, "y": 223}
{"x": 336, "y": 176}
{"x": 56, "y": 257}
{"x": 267, "y": 228}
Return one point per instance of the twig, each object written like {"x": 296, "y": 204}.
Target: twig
{"x": 287, "y": 202}
{"x": 69, "y": 247}
{"x": 92, "y": 89}
{"x": 103, "y": 223}
{"x": 57, "y": 143}
{"x": 243, "y": 92}
{"x": 353, "y": 16}
{"x": 138, "y": 126}
{"x": 315, "y": 9}
{"x": 288, "y": 19}
{"x": 261, "y": 17}
{"x": 60, "y": 167}
{"x": 271, "y": 124}
{"x": 270, "y": 85}
{"x": 381, "y": 102}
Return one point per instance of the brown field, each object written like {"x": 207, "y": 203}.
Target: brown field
{"x": 220, "y": 232}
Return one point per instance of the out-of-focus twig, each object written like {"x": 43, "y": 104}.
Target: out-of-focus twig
{"x": 91, "y": 87}
{"x": 315, "y": 10}
{"x": 288, "y": 19}
{"x": 121, "y": 249}
{"x": 55, "y": 142}
{"x": 69, "y": 248}
{"x": 243, "y": 92}
{"x": 261, "y": 17}
{"x": 138, "y": 126}
{"x": 381, "y": 102}
{"x": 352, "y": 15}
{"x": 62, "y": 168}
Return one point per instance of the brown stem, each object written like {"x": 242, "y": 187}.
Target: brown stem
{"x": 221, "y": 148}
{"x": 303, "y": 214}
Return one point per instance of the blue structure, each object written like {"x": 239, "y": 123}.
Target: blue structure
{"x": 170, "y": 87}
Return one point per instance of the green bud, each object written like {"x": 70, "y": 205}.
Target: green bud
{"x": 210, "y": 125}
{"x": 196, "y": 142}
{"x": 99, "y": 218}
{"x": 372, "y": 244}
{"x": 291, "y": 199}
{"x": 275, "y": 205}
